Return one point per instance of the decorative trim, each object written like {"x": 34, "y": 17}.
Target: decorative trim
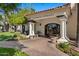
{"x": 60, "y": 16}
{"x": 32, "y": 21}
{"x": 65, "y": 5}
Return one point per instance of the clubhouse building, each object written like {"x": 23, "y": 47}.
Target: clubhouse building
{"x": 59, "y": 22}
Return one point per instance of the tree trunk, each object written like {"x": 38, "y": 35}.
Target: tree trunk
{"x": 23, "y": 29}
{"x": 7, "y": 27}
{"x": 15, "y": 28}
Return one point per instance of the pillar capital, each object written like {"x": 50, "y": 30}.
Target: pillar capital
{"x": 62, "y": 19}
{"x": 32, "y": 21}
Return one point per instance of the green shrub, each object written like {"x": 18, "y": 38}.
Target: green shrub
{"x": 15, "y": 35}
{"x": 74, "y": 53}
{"x": 67, "y": 48}
{"x": 19, "y": 53}
{"x": 64, "y": 45}
{"x": 21, "y": 37}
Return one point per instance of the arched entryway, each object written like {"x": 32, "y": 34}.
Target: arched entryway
{"x": 52, "y": 29}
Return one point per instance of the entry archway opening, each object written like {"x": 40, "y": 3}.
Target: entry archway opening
{"x": 52, "y": 30}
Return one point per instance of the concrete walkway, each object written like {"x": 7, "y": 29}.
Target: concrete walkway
{"x": 35, "y": 47}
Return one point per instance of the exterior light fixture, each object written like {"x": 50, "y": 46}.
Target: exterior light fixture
{"x": 61, "y": 16}
{"x": 40, "y": 24}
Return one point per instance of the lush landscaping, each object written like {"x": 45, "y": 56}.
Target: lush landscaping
{"x": 67, "y": 48}
{"x": 10, "y": 36}
{"x": 4, "y": 36}
{"x": 11, "y": 52}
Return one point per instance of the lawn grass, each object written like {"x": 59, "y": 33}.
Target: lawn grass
{"x": 4, "y": 36}
{"x": 7, "y": 33}
{"x": 11, "y": 52}
{"x": 12, "y": 36}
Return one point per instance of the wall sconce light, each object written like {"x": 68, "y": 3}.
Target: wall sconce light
{"x": 40, "y": 24}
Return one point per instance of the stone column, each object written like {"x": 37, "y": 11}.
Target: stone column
{"x": 31, "y": 29}
{"x": 63, "y": 31}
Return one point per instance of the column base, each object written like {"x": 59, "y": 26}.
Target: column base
{"x": 62, "y": 40}
{"x": 31, "y": 36}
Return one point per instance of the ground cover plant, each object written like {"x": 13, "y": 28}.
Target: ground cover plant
{"x": 67, "y": 48}
{"x": 11, "y": 52}
{"x": 4, "y": 36}
{"x": 11, "y": 36}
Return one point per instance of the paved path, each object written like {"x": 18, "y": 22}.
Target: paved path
{"x": 35, "y": 47}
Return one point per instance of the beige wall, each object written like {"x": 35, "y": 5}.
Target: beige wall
{"x": 43, "y": 22}
{"x": 72, "y": 24}
{"x": 41, "y": 14}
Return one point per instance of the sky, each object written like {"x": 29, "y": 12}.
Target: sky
{"x": 40, "y": 6}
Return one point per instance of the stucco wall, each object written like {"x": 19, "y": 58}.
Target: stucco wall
{"x": 72, "y": 23}
{"x": 40, "y": 26}
{"x": 43, "y": 13}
